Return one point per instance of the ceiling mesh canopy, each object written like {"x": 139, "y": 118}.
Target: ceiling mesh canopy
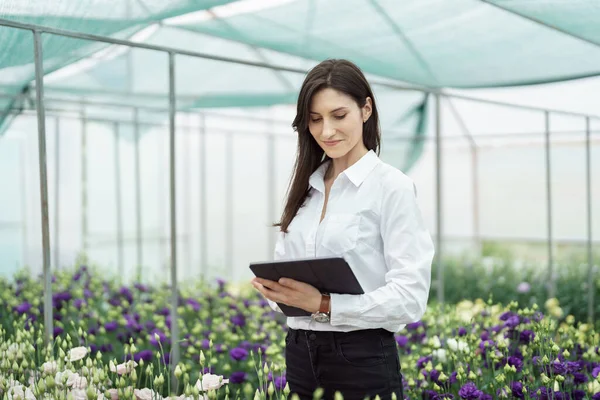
{"x": 425, "y": 43}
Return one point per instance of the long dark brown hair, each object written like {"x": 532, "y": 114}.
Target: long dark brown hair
{"x": 345, "y": 77}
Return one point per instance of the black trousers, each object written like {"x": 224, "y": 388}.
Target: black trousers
{"x": 358, "y": 364}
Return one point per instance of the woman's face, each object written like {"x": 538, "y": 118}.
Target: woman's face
{"x": 336, "y": 121}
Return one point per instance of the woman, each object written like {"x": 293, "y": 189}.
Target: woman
{"x": 344, "y": 201}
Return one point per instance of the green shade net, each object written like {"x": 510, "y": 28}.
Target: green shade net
{"x": 116, "y": 18}
{"x": 580, "y": 18}
{"x": 432, "y": 43}
{"x": 440, "y": 43}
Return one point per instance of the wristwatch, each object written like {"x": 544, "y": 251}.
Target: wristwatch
{"x": 323, "y": 315}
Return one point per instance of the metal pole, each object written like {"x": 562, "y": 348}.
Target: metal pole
{"x": 41, "y": 119}
{"x": 138, "y": 196}
{"x": 271, "y": 189}
{"x": 551, "y": 288}
{"x": 229, "y": 203}
{"x": 173, "y": 206}
{"x": 23, "y": 206}
{"x": 476, "y": 213}
{"x": 117, "y": 160}
{"x": 186, "y": 198}
{"x": 438, "y": 195}
{"x": 203, "y": 199}
{"x": 588, "y": 189}
{"x": 56, "y": 192}
{"x": 84, "y": 193}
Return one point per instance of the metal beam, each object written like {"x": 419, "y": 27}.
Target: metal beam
{"x": 551, "y": 283}
{"x": 138, "y": 197}
{"x": 56, "y": 192}
{"x": 119, "y": 213}
{"x": 438, "y": 198}
{"x": 41, "y": 120}
{"x": 591, "y": 285}
{"x": 173, "y": 208}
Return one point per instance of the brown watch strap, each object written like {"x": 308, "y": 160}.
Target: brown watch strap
{"x": 325, "y": 300}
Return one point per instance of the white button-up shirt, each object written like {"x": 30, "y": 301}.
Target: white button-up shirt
{"x": 373, "y": 221}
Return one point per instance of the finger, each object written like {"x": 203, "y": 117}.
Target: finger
{"x": 267, "y": 293}
{"x": 289, "y": 283}
{"x": 271, "y": 285}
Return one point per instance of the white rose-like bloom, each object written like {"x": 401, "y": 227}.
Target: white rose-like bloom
{"x": 146, "y": 394}
{"x": 77, "y": 382}
{"x": 114, "y": 394}
{"x": 210, "y": 382}
{"x": 77, "y": 353}
{"x": 50, "y": 367}
{"x": 124, "y": 367}
{"x": 62, "y": 377}
{"x": 435, "y": 342}
{"x": 457, "y": 345}
{"x": 440, "y": 354}
{"x": 19, "y": 392}
{"x": 78, "y": 394}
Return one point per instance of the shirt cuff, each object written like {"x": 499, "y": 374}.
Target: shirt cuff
{"x": 344, "y": 308}
{"x": 274, "y": 306}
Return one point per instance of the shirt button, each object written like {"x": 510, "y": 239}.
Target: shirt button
{"x": 312, "y": 336}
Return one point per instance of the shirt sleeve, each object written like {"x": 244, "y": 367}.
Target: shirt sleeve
{"x": 278, "y": 254}
{"x": 408, "y": 252}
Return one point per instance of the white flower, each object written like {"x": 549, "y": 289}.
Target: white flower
{"x": 62, "y": 377}
{"x": 458, "y": 345}
{"x": 77, "y": 382}
{"x": 19, "y": 392}
{"x": 77, "y": 353}
{"x": 145, "y": 394}
{"x": 124, "y": 367}
{"x": 78, "y": 394}
{"x": 210, "y": 382}
{"x": 435, "y": 342}
{"x": 49, "y": 367}
{"x": 440, "y": 354}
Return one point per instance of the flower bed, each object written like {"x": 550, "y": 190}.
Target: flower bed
{"x": 113, "y": 339}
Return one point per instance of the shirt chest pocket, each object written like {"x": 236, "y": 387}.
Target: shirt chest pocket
{"x": 341, "y": 233}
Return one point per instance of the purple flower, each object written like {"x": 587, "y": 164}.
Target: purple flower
{"x": 125, "y": 292}
{"x": 517, "y": 389}
{"x": 423, "y": 361}
{"x": 512, "y": 322}
{"x": 469, "y": 391}
{"x": 486, "y": 396}
{"x": 280, "y": 382}
{"x": 162, "y": 338}
{"x": 111, "y": 326}
{"x": 237, "y": 377}
{"x": 238, "y": 320}
{"x": 238, "y": 354}
{"x": 595, "y": 372}
{"x": 462, "y": 331}
{"x": 58, "y": 330}
{"x": 402, "y": 340}
{"x": 526, "y": 336}
{"x": 194, "y": 303}
{"x": 596, "y": 396}
{"x": 140, "y": 287}
{"x": 145, "y": 355}
{"x": 78, "y": 303}
{"x": 23, "y": 307}
{"x": 414, "y": 326}
{"x": 516, "y": 362}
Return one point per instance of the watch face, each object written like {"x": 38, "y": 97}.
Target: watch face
{"x": 321, "y": 317}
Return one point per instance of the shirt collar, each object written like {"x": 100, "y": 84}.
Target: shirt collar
{"x": 356, "y": 173}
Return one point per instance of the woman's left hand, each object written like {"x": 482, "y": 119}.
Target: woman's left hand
{"x": 290, "y": 292}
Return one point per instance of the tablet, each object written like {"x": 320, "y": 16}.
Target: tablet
{"x": 327, "y": 274}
